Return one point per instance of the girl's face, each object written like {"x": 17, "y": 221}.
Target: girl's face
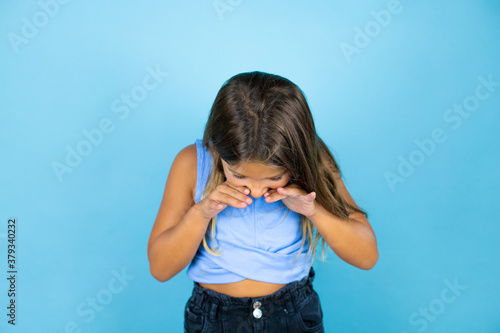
{"x": 257, "y": 178}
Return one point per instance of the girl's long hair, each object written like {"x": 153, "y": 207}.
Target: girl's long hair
{"x": 264, "y": 118}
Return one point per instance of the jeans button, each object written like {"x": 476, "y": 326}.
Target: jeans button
{"x": 257, "y": 305}
{"x": 257, "y": 313}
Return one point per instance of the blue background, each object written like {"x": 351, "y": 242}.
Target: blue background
{"x": 438, "y": 225}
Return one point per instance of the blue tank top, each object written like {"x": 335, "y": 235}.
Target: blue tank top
{"x": 258, "y": 242}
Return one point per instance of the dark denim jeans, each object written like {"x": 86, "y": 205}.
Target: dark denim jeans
{"x": 294, "y": 308}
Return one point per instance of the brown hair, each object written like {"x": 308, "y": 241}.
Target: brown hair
{"x": 264, "y": 118}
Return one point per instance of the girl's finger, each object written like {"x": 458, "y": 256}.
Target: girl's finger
{"x": 275, "y": 196}
{"x": 285, "y": 191}
{"x": 268, "y": 193}
{"x": 220, "y": 205}
{"x": 234, "y": 196}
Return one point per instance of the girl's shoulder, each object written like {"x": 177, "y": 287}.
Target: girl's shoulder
{"x": 187, "y": 161}
{"x": 178, "y": 195}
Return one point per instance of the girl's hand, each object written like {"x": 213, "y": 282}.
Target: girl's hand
{"x": 225, "y": 194}
{"x": 295, "y": 198}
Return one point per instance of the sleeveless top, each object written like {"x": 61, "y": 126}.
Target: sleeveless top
{"x": 258, "y": 242}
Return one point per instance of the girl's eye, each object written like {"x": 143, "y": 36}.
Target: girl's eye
{"x": 239, "y": 177}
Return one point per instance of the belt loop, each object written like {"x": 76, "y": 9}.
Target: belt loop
{"x": 289, "y": 304}
{"x": 212, "y": 311}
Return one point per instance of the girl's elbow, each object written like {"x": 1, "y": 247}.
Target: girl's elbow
{"x": 156, "y": 270}
{"x": 369, "y": 264}
{"x": 159, "y": 276}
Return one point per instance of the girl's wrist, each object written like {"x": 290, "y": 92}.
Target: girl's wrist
{"x": 197, "y": 210}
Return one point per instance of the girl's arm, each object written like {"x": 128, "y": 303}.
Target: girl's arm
{"x": 179, "y": 226}
{"x": 353, "y": 240}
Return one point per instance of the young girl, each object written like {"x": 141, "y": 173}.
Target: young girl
{"x": 245, "y": 208}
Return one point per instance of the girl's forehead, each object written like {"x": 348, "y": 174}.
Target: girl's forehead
{"x": 253, "y": 167}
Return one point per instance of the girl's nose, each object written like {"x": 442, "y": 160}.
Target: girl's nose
{"x": 257, "y": 194}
